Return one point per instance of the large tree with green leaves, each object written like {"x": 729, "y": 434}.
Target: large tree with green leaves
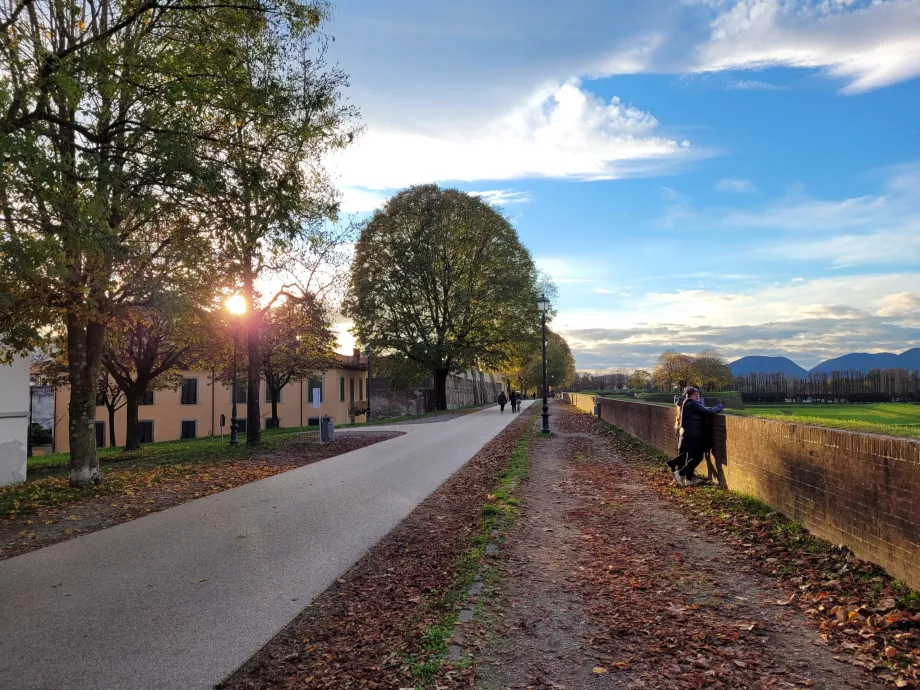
{"x": 274, "y": 198}
{"x": 100, "y": 124}
{"x": 440, "y": 279}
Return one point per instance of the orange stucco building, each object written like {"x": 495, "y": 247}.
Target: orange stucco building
{"x": 194, "y": 409}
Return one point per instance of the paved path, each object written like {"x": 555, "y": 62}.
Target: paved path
{"x": 180, "y": 598}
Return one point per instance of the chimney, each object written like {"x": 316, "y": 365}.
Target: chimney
{"x": 357, "y": 356}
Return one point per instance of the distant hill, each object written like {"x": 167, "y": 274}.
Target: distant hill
{"x": 757, "y": 364}
{"x": 864, "y": 361}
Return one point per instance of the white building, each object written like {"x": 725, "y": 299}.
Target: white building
{"x": 14, "y": 420}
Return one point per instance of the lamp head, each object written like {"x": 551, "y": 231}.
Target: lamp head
{"x": 543, "y": 304}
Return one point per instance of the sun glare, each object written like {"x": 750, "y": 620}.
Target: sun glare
{"x": 236, "y": 305}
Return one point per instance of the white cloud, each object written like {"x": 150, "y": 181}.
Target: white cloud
{"x": 813, "y": 320}
{"x": 561, "y": 131}
{"x": 735, "y": 186}
{"x": 357, "y": 200}
{"x": 603, "y": 291}
{"x": 867, "y": 45}
{"x": 755, "y": 85}
{"x": 503, "y": 197}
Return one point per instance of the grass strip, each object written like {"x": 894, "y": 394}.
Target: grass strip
{"x": 496, "y": 516}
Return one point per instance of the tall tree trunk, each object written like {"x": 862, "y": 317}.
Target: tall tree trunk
{"x": 274, "y": 406}
{"x": 132, "y": 441}
{"x": 112, "y": 443}
{"x": 253, "y": 414}
{"x": 84, "y": 357}
{"x": 440, "y": 388}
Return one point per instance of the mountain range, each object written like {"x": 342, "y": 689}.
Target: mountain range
{"x": 855, "y": 361}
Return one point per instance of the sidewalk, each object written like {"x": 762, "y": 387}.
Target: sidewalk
{"x": 180, "y": 598}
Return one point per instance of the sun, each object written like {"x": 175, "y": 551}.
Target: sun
{"x": 236, "y": 304}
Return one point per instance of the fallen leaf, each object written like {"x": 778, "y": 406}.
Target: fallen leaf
{"x": 195, "y": 582}
{"x": 599, "y": 670}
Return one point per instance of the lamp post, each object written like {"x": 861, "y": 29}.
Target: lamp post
{"x": 543, "y": 305}
{"x": 236, "y": 305}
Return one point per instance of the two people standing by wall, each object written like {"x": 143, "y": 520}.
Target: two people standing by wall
{"x": 694, "y": 427}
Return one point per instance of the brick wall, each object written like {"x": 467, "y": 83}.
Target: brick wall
{"x": 859, "y": 490}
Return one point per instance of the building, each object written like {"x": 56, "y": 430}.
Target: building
{"x": 14, "y": 420}
{"x": 195, "y": 409}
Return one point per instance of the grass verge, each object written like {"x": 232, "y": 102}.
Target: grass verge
{"x": 496, "y": 516}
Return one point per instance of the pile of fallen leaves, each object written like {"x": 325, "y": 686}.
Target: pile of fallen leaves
{"x": 871, "y": 619}
{"x": 47, "y": 510}
{"x": 380, "y": 625}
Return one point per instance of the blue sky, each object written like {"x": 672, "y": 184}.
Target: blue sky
{"x": 743, "y": 174}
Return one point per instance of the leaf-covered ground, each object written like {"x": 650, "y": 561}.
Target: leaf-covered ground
{"x": 45, "y": 510}
{"x": 615, "y": 579}
{"x": 386, "y": 623}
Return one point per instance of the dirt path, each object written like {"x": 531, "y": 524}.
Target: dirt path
{"x": 608, "y": 585}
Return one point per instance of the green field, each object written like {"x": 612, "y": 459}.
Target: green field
{"x": 894, "y": 419}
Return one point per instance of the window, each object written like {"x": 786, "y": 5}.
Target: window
{"x": 189, "y": 393}
{"x": 188, "y": 428}
{"x": 241, "y": 426}
{"x": 268, "y": 395}
{"x": 242, "y": 394}
{"x": 100, "y": 400}
{"x": 315, "y": 383}
{"x": 270, "y": 423}
{"x": 351, "y": 389}
{"x": 145, "y": 432}
{"x": 360, "y": 389}
{"x": 341, "y": 389}
{"x": 312, "y": 421}
{"x": 100, "y": 434}
{"x": 146, "y": 398}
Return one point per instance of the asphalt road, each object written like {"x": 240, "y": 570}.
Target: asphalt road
{"x": 180, "y": 598}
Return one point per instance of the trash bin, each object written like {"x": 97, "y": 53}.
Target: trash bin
{"x": 326, "y": 429}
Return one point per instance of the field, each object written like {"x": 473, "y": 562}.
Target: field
{"x": 894, "y": 419}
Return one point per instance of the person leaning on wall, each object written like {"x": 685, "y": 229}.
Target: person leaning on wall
{"x": 692, "y": 422}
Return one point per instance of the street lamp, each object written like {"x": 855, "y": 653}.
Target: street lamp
{"x": 543, "y": 306}
{"x": 236, "y": 305}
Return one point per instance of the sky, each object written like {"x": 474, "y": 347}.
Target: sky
{"x": 738, "y": 174}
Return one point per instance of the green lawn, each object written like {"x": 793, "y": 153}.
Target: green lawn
{"x": 893, "y": 419}
{"x": 169, "y": 452}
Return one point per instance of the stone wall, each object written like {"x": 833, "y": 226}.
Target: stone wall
{"x": 469, "y": 388}
{"x": 858, "y": 490}
{"x": 43, "y": 406}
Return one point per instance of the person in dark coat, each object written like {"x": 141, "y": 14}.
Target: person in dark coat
{"x": 502, "y": 401}
{"x": 515, "y": 402}
{"x": 693, "y": 423}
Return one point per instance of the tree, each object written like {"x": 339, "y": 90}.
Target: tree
{"x": 143, "y": 351}
{"x": 640, "y": 378}
{"x": 273, "y": 193}
{"x": 560, "y": 364}
{"x": 100, "y": 134}
{"x": 297, "y": 342}
{"x": 113, "y": 397}
{"x": 710, "y": 370}
{"x": 673, "y": 368}
{"x": 442, "y": 280}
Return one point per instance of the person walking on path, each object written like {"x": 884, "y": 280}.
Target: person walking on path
{"x": 515, "y": 403}
{"x": 502, "y": 401}
{"x": 692, "y": 421}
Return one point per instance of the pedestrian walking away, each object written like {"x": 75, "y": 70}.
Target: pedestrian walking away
{"x": 515, "y": 402}
{"x": 502, "y": 401}
{"x": 692, "y": 422}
